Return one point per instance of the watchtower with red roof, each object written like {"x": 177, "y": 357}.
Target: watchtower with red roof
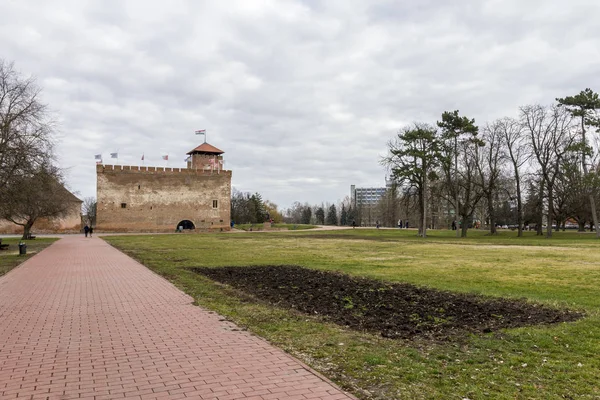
{"x": 205, "y": 157}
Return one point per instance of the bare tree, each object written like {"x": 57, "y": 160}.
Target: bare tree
{"x": 517, "y": 152}
{"x": 550, "y": 131}
{"x": 489, "y": 165}
{"x": 25, "y": 127}
{"x": 40, "y": 194}
{"x": 89, "y": 208}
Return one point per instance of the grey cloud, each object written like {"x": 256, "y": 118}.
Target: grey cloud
{"x": 301, "y": 95}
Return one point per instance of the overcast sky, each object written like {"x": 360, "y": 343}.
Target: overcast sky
{"x": 301, "y": 95}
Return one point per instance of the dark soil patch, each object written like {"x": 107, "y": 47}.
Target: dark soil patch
{"x": 393, "y": 310}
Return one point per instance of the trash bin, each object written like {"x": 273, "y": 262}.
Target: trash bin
{"x": 22, "y": 249}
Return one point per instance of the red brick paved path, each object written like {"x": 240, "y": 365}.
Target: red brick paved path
{"x": 82, "y": 320}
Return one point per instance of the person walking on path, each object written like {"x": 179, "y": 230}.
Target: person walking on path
{"x": 86, "y": 230}
{"x": 399, "y": 224}
{"x": 91, "y": 230}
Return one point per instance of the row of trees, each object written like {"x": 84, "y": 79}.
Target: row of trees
{"x": 324, "y": 214}
{"x": 31, "y": 185}
{"x": 249, "y": 208}
{"x": 544, "y": 158}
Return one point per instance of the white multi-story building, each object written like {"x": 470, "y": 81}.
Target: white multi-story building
{"x": 369, "y": 196}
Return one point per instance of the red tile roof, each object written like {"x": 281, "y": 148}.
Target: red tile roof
{"x": 206, "y": 148}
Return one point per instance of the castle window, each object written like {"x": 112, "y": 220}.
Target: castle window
{"x": 123, "y": 205}
{"x": 215, "y": 203}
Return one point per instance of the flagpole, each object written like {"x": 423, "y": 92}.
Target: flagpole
{"x": 202, "y": 132}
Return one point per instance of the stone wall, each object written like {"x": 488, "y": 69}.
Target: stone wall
{"x": 155, "y": 199}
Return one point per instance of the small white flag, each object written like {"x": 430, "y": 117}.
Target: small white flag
{"x": 201, "y": 132}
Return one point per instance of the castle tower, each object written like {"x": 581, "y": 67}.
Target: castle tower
{"x": 133, "y": 198}
{"x": 205, "y": 157}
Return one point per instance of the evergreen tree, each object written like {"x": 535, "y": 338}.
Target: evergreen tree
{"x": 258, "y": 208}
{"x": 459, "y": 135}
{"x": 332, "y": 215}
{"x": 351, "y": 216}
{"x": 413, "y": 155}
{"x": 585, "y": 106}
{"x": 344, "y": 216}
{"x": 320, "y": 215}
{"x": 306, "y": 214}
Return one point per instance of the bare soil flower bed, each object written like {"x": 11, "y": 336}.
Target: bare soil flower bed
{"x": 395, "y": 310}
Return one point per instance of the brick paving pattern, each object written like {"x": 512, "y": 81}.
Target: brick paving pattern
{"x": 82, "y": 320}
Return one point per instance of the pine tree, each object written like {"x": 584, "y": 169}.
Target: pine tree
{"x": 585, "y": 106}
{"x": 320, "y": 215}
{"x": 306, "y": 214}
{"x": 344, "y": 216}
{"x": 332, "y": 215}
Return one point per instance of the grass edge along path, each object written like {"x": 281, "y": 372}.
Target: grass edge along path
{"x": 10, "y": 258}
{"x": 557, "y": 361}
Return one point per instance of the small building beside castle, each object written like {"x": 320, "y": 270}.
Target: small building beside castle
{"x": 161, "y": 199}
{"x": 68, "y": 222}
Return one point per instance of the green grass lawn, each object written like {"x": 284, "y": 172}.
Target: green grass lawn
{"x": 10, "y": 258}
{"x": 283, "y": 227}
{"x": 544, "y": 362}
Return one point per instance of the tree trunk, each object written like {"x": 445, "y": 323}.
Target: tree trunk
{"x": 424, "y": 208}
{"x": 585, "y": 173}
{"x": 549, "y": 216}
{"x": 519, "y": 205}
{"x": 594, "y": 215}
{"x": 26, "y": 230}
{"x": 465, "y": 226}
{"x": 492, "y": 215}
{"x": 540, "y": 211}
{"x": 456, "y": 205}
{"x": 581, "y": 225}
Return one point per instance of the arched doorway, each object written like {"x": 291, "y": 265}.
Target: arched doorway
{"x": 185, "y": 224}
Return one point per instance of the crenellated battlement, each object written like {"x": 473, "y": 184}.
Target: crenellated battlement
{"x": 137, "y": 169}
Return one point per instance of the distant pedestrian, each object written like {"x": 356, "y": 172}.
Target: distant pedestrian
{"x": 86, "y": 230}
{"x": 377, "y": 224}
{"x": 453, "y": 225}
{"x": 91, "y": 231}
{"x": 406, "y": 224}
{"x": 399, "y": 224}
{"x": 353, "y": 224}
